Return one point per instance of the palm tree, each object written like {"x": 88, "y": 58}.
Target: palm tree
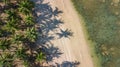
{"x": 4, "y": 44}
{"x": 26, "y": 63}
{"x": 1, "y": 33}
{"x": 6, "y": 60}
{"x": 11, "y": 25}
{"x": 31, "y": 34}
{"x": 29, "y": 20}
{"x": 40, "y": 57}
{"x": 25, "y": 6}
{"x": 11, "y": 14}
{"x": 21, "y": 54}
{"x": 17, "y": 39}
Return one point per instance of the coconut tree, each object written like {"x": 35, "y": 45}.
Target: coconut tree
{"x": 26, "y": 63}
{"x": 21, "y": 54}
{"x": 31, "y": 34}
{"x": 4, "y": 44}
{"x": 11, "y": 25}
{"x": 11, "y": 14}
{"x": 17, "y": 39}
{"x": 13, "y": 20}
{"x": 25, "y": 6}
{"x": 29, "y": 20}
{"x": 6, "y": 60}
{"x": 4, "y": 33}
{"x": 1, "y": 33}
{"x": 40, "y": 57}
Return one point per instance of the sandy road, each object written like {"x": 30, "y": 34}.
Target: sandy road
{"x": 74, "y": 48}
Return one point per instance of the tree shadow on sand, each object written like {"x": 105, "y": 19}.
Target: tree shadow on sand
{"x": 67, "y": 64}
{"x": 48, "y": 22}
{"x": 65, "y": 33}
{"x": 51, "y": 52}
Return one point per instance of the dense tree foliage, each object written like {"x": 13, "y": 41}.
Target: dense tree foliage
{"x": 17, "y": 34}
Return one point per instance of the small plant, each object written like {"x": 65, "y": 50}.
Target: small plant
{"x": 1, "y": 33}
{"x": 21, "y": 53}
{"x": 4, "y": 33}
{"x": 17, "y": 39}
{"x": 29, "y": 20}
{"x": 31, "y": 34}
{"x": 25, "y": 6}
{"x": 10, "y": 26}
{"x": 26, "y": 63}
{"x": 4, "y": 44}
{"x": 11, "y": 14}
{"x": 6, "y": 60}
{"x": 40, "y": 57}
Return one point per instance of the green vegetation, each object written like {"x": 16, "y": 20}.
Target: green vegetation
{"x": 6, "y": 60}
{"x": 25, "y": 6}
{"x": 17, "y": 34}
{"x": 102, "y": 20}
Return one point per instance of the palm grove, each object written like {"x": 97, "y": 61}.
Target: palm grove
{"x": 18, "y": 34}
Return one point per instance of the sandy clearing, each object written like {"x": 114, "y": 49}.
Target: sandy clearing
{"x": 74, "y": 48}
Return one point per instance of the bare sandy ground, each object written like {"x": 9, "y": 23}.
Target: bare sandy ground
{"x": 75, "y": 47}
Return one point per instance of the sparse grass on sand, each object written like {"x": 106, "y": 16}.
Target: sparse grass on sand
{"x": 102, "y": 24}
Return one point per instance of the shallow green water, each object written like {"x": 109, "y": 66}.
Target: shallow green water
{"x": 102, "y": 20}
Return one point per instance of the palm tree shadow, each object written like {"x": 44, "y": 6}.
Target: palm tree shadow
{"x": 56, "y": 12}
{"x": 68, "y": 64}
{"x": 51, "y": 25}
{"x": 47, "y": 19}
{"x": 52, "y": 52}
{"x": 38, "y": 1}
{"x": 65, "y": 33}
{"x": 44, "y": 39}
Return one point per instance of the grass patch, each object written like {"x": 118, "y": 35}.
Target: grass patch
{"x": 102, "y": 24}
